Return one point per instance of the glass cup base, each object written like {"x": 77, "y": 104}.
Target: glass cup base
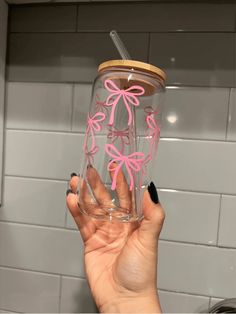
{"x": 108, "y": 213}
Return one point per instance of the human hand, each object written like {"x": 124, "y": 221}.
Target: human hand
{"x": 120, "y": 258}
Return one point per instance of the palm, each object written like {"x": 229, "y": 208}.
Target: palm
{"x": 114, "y": 255}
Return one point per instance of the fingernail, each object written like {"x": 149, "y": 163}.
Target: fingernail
{"x": 153, "y": 193}
{"x": 68, "y": 191}
{"x": 73, "y": 174}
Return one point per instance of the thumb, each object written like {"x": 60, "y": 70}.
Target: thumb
{"x": 154, "y": 216}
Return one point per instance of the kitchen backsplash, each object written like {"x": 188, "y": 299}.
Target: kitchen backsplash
{"x": 53, "y": 54}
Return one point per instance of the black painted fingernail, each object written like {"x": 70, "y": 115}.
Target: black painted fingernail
{"x": 153, "y": 193}
{"x": 68, "y": 191}
{"x": 73, "y": 175}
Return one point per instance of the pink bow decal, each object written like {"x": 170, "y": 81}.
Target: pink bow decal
{"x": 128, "y": 95}
{"x": 132, "y": 162}
{"x": 150, "y": 111}
{"x": 114, "y": 134}
{"x": 101, "y": 105}
{"x": 90, "y": 154}
{"x": 154, "y": 130}
{"x": 93, "y": 125}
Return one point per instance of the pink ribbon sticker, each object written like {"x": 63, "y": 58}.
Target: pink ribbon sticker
{"x": 123, "y": 135}
{"x": 93, "y": 125}
{"x": 90, "y": 154}
{"x": 101, "y": 105}
{"x": 129, "y": 96}
{"x": 132, "y": 162}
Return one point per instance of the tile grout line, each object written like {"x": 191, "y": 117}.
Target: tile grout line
{"x": 228, "y": 116}
{"x": 164, "y": 189}
{"x": 95, "y": 32}
{"x": 60, "y": 293}
{"x": 40, "y": 226}
{"x": 45, "y": 273}
{"x": 9, "y": 311}
{"x": 70, "y": 230}
{"x": 218, "y": 226}
{"x": 91, "y": 82}
{"x": 65, "y": 132}
{"x": 187, "y": 293}
{"x": 209, "y": 246}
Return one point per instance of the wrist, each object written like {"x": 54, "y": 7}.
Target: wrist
{"x": 132, "y": 304}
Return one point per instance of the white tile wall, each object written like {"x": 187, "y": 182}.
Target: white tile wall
{"x": 39, "y": 106}
{"x": 232, "y": 116}
{"x": 227, "y": 234}
{"x": 82, "y": 95}
{"x": 198, "y": 59}
{"x": 59, "y": 18}
{"x": 45, "y": 154}
{"x": 50, "y": 69}
{"x": 156, "y": 17}
{"x": 49, "y": 250}
{"x": 172, "y": 302}
{"x": 184, "y": 216}
{"x": 204, "y": 166}
{"x": 76, "y": 296}
{"x": 3, "y": 44}
{"x": 199, "y": 113}
{"x": 34, "y": 201}
{"x": 66, "y": 57}
{"x": 26, "y": 291}
{"x": 197, "y": 269}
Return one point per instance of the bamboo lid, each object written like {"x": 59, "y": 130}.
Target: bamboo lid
{"x": 137, "y": 65}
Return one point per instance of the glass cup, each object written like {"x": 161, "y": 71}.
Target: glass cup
{"x": 121, "y": 138}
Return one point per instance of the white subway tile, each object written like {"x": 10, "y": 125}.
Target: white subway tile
{"x": 76, "y": 296}
{"x": 41, "y": 154}
{"x": 82, "y": 95}
{"x": 199, "y": 113}
{"x": 50, "y": 250}
{"x": 51, "y": 18}
{"x": 203, "y": 61}
{"x": 202, "y": 166}
{"x": 66, "y": 57}
{"x": 227, "y": 234}
{"x": 34, "y": 201}
{"x": 172, "y": 302}
{"x": 184, "y": 216}
{"x": 232, "y": 116}
{"x": 197, "y": 269}
{"x": 39, "y": 106}
{"x": 156, "y": 17}
{"x": 24, "y": 291}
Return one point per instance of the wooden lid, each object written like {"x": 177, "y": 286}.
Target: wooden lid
{"x": 137, "y": 65}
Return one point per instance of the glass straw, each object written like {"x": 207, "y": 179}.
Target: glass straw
{"x": 119, "y": 45}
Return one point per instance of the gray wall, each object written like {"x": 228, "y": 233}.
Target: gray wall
{"x": 52, "y": 59}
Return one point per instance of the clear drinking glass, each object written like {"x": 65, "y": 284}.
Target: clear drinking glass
{"x": 121, "y": 138}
